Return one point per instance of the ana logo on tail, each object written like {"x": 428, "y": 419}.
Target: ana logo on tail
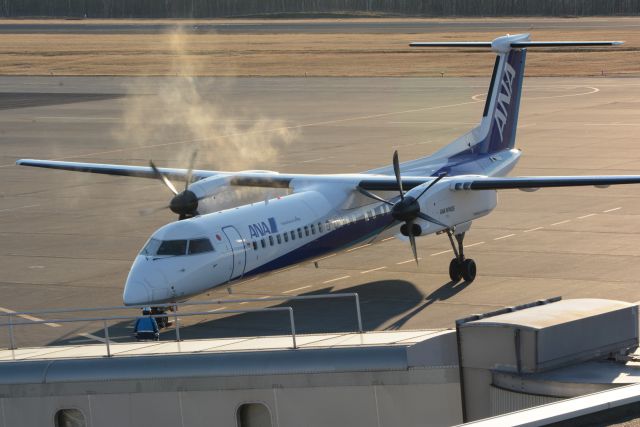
{"x": 504, "y": 97}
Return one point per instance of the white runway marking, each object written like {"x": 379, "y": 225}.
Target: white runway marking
{"x": 407, "y": 261}
{"x": 373, "y": 269}
{"x": 358, "y": 247}
{"x": 296, "y": 289}
{"x": 505, "y": 237}
{"x": 265, "y": 297}
{"x": 335, "y": 280}
{"x": 31, "y": 318}
{"x": 76, "y": 118}
{"x": 611, "y": 210}
{"x": 474, "y": 244}
{"x": 561, "y": 222}
{"x": 443, "y": 252}
{"x": 593, "y": 90}
{"x": 612, "y": 124}
{"x": 324, "y": 257}
{"x": 533, "y": 229}
{"x": 18, "y": 208}
{"x": 412, "y": 144}
{"x": 243, "y": 303}
{"x": 481, "y": 96}
{"x": 586, "y": 216}
{"x": 93, "y": 337}
{"x": 313, "y": 160}
{"x": 217, "y": 309}
{"x": 388, "y": 238}
{"x": 435, "y": 123}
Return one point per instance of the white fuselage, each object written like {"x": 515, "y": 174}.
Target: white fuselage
{"x": 262, "y": 237}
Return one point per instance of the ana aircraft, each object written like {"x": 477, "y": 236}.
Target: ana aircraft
{"x": 440, "y": 193}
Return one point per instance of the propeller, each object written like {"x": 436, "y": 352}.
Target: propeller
{"x": 184, "y": 203}
{"x": 407, "y": 209}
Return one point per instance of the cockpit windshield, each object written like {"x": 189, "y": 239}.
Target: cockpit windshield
{"x": 155, "y": 247}
{"x": 172, "y": 247}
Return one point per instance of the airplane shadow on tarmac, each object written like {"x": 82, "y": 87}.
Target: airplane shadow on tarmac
{"x": 380, "y": 302}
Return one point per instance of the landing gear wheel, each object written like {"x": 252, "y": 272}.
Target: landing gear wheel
{"x": 468, "y": 270}
{"x": 455, "y": 270}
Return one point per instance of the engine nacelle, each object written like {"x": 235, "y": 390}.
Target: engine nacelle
{"x": 209, "y": 186}
{"x": 451, "y": 207}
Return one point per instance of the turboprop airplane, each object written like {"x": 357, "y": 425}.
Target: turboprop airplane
{"x": 438, "y": 194}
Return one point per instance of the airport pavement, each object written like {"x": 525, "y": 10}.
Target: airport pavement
{"x": 68, "y": 239}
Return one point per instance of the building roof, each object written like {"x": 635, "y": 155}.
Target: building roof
{"x": 262, "y": 355}
{"x": 544, "y": 316}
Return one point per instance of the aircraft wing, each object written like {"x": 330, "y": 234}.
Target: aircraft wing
{"x": 364, "y": 181}
{"x": 250, "y": 178}
{"x": 119, "y": 170}
{"x": 535, "y": 182}
{"x": 383, "y": 183}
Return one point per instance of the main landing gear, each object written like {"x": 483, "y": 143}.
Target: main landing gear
{"x": 459, "y": 266}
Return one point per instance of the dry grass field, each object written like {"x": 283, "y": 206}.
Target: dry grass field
{"x": 300, "y": 54}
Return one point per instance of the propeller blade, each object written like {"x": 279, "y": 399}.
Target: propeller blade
{"x": 434, "y": 182}
{"x": 412, "y": 240}
{"x": 190, "y": 172}
{"x": 396, "y": 170}
{"x": 373, "y": 196}
{"x": 431, "y": 219}
{"x": 149, "y": 211}
{"x": 164, "y": 179}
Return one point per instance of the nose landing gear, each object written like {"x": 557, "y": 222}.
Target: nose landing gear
{"x": 460, "y": 267}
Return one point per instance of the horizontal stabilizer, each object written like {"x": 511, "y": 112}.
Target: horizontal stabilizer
{"x": 515, "y": 41}
{"x": 566, "y": 43}
{"x": 517, "y": 44}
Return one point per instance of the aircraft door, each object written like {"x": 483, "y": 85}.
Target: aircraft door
{"x": 239, "y": 251}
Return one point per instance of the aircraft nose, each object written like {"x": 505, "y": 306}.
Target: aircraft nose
{"x": 136, "y": 293}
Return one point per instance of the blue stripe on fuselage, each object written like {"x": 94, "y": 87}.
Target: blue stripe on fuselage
{"x": 345, "y": 236}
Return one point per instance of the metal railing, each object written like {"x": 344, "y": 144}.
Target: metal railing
{"x": 11, "y": 323}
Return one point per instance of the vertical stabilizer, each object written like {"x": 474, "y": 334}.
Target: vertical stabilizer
{"x": 497, "y": 129}
{"x": 503, "y": 102}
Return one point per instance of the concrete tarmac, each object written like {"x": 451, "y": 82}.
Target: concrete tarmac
{"x": 68, "y": 239}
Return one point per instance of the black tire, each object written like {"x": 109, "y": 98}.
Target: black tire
{"x": 455, "y": 270}
{"x": 469, "y": 270}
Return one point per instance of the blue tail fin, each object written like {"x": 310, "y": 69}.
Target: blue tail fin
{"x": 503, "y": 101}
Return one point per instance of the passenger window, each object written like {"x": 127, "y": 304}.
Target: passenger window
{"x": 72, "y": 418}
{"x": 263, "y": 243}
{"x": 173, "y": 247}
{"x": 278, "y": 238}
{"x": 319, "y": 227}
{"x": 255, "y": 246}
{"x": 306, "y": 230}
{"x": 300, "y": 233}
{"x": 271, "y": 240}
{"x": 293, "y": 235}
{"x": 366, "y": 216}
{"x": 198, "y": 246}
{"x": 313, "y": 229}
{"x": 286, "y": 236}
{"x": 328, "y": 225}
